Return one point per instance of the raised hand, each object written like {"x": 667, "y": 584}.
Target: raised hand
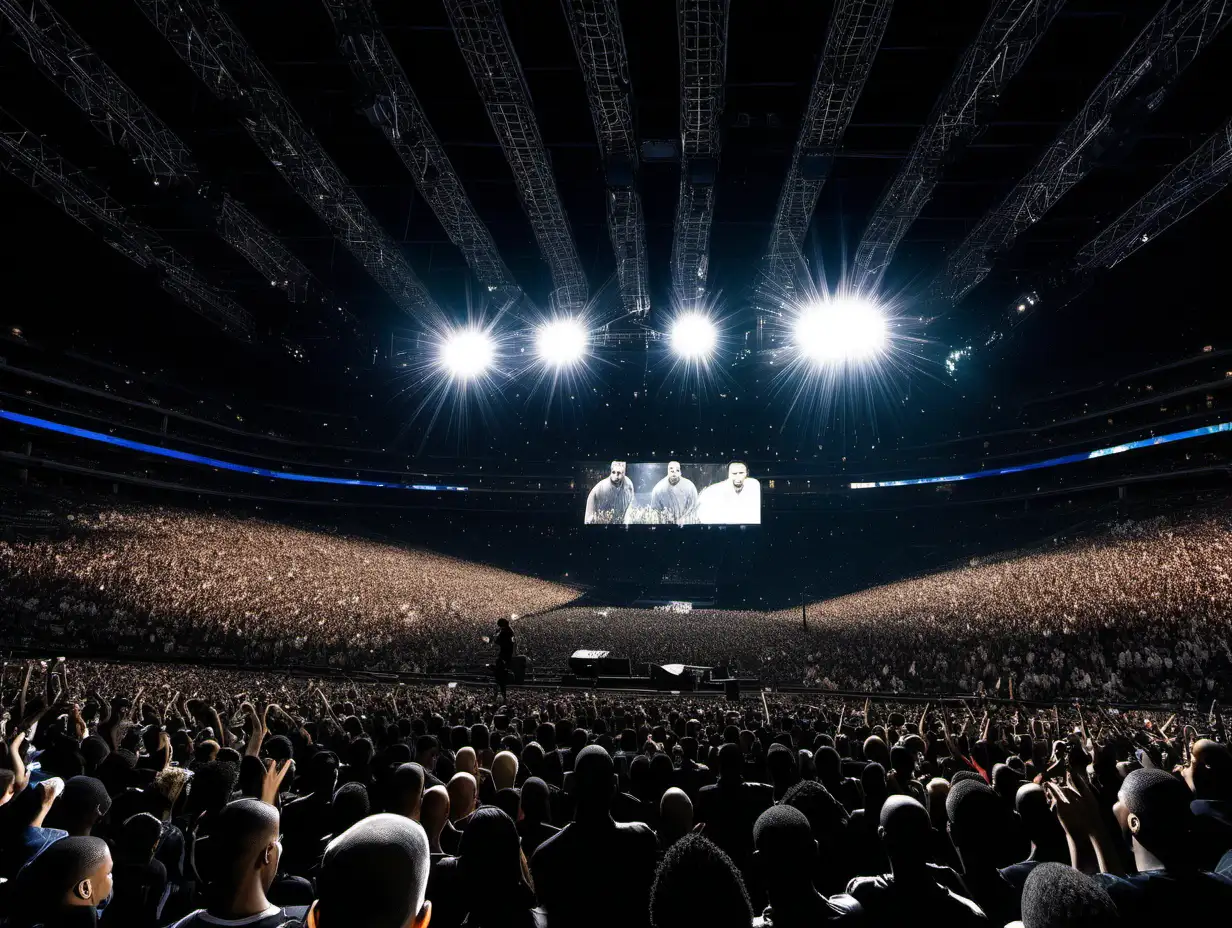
{"x": 271, "y": 783}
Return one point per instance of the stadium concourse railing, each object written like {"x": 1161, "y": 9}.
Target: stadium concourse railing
{"x": 751, "y": 687}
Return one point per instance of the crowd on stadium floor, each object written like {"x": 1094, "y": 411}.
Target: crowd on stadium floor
{"x": 155, "y": 794}
{"x": 1140, "y": 612}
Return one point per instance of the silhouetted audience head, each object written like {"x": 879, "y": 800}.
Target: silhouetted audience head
{"x": 80, "y": 807}
{"x": 594, "y": 779}
{"x": 406, "y": 790}
{"x": 904, "y": 829}
{"x": 535, "y": 804}
{"x": 1057, "y": 896}
{"x": 784, "y": 849}
{"x": 492, "y": 867}
{"x": 350, "y": 804}
{"x": 977, "y": 818}
{"x": 678, "y": 898}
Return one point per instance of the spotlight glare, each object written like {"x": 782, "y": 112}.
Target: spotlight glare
{"x": 467, "y": 353}
{"x": 562, "y": 343}
{"x": 842, "y": 330}
{"x": 693, "y": 336}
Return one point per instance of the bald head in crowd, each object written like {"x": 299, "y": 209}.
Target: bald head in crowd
{"x": 675, "y": 815}
{"x": 1209, "y": 771}
{"x": 72, "y": 872}
{"x": 504, "y": 770}
{"x": 467, "y": 761}
{"x": 1157, "y": 815}
{"x": 433, "y": 814}
{"x": 240, "y": 858}
{"x": 463, "y": 792}
{"x": 375, "y": 875}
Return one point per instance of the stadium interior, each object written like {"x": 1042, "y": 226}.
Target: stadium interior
{"x": 333, "y": 325}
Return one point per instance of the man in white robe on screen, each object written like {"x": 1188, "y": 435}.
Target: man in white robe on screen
{"x": 611, "y": 498}
{"x": 674, "y": 498}
{"x": 734, "y": 501}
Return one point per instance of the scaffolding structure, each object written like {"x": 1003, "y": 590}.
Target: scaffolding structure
{"x": 1007, "y": 37}
{"x": 1134, "y": 89}
{"x": 854, "y": 36}
{"x": 1187, "y": 186}
{"x": 600, "y": 45}
{"x": 484, "y": 40}
{"x": 391, "y": 104}
{"x": 208, "y": 42}
{"x": 124, "y": 120}
{"x": 701, "y": 27}
{"x": 24, "y": 155}
{"x": 112, "y": 108}
{"x": 263, "y": 250}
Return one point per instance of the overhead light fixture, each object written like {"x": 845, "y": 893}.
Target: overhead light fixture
{"x": 693, "y": 336}
{"x": 467, "y": 353}
{"x": 562, "y": 343}
{"x": 841, "y": 330}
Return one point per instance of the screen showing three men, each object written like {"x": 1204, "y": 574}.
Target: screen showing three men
{"x": 672, "y": 493}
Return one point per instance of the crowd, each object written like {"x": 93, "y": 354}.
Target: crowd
{"x": 144, "y": 795}
{"x": 146, "y": 579}
{"x": 1143, "y": 610}
{"x": 1140, "y": 611}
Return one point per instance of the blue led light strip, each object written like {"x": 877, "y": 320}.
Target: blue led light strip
{"x": 1053, "y": 462}
{"x": 213, "y": 462}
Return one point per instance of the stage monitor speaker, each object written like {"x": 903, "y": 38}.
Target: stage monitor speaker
{"x": 671, "y": 677}
{"x": 615, "y": 667}
{"x": 731, "y": 689}
{"x": 519, "y": 668}
{"x": 585, "y": 663}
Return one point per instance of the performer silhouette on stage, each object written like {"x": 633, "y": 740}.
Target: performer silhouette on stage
{"x": 504, "y": 655}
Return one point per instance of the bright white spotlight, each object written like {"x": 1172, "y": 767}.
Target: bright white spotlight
{"x": 467, "y": 353}
{"x": 693, "y": 336}
{"x": 842, "y": 330}
{"x": 561, "y": 343}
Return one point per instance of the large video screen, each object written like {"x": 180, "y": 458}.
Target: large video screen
{"x": 671, "y": 493}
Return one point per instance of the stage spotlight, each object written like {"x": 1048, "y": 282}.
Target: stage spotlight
{"x": 562, "y": 343}
{"x": 841, "y": 330}
{"x": 467, "y": 353}
{"x": 693, "y": 336}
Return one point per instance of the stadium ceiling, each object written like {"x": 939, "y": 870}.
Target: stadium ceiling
{"x": 310, "y": 172}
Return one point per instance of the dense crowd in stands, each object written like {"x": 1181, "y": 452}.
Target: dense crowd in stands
{"x": 169, "y": 581}
{"x": 145, "y": 795}
{"x": 1141, "y": 611}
